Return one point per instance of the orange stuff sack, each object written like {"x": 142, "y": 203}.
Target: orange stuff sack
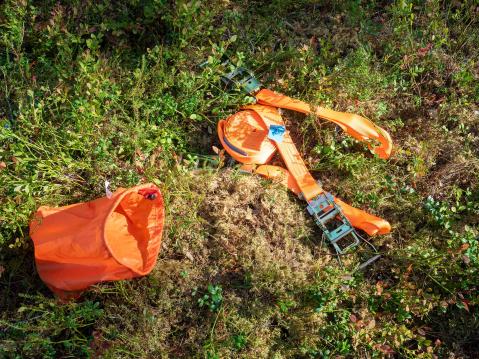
{"x": 106, "y": 239}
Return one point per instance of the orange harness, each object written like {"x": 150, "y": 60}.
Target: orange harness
{"x": 246, "y": 136}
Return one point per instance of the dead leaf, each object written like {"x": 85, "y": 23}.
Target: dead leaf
{"x": 154, "y": 156}
{"x": 3, "y": 165}
{"x": 353, "y": 318}
{"x": 409, "y": 269}
{"x": 222, "y": 155}
{"x": 384, "y": 348}
{"x": 304, "y": 48}
{"x": 424, "y": 50}
{"x": 372, "y": 324}
{"x": 405, "y": 62}
{"x": 359, "y": 324}
{"x": 379, "y": 287}
{"x": 140, "y": 154}
{"x": 189, "y": 256}
{"x": 139, "y": 167}
{"x": 215, "y": 149}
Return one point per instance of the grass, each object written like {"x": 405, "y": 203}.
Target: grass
{"x": 90, "y": 92}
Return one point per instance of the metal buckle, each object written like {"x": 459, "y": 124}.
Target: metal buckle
{"x": 326, "y": 212}
{"x": 242, "y": 78}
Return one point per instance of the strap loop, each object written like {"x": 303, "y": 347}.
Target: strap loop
{"x": 356, "y": 126}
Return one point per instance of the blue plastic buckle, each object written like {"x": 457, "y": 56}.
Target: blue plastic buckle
{"x": 324, "y": 210}
{"x": 276, "y": 133}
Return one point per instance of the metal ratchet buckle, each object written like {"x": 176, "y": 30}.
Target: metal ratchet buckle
{"x": 239, "y": 77}
{"x": 336, "y": 227}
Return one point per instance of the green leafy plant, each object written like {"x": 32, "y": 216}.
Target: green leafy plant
{"x": 239, "y": 341}
{"x": 213, "y": 299}
{"x": 48, "y": 329}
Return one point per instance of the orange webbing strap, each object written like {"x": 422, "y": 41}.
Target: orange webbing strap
{"x": 357, "y": 126}
{"x": 291, "y": 157}
{"x": 359, "y": 219}
{"x": 244, "y": 136}
{"x": 305, "y": 183}
{"x": 296, "y": 166}
{"x": 277, "y": 174}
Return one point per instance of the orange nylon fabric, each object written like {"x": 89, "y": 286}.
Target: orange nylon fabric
{"x": 358, "y": 218}
{"x": 247, "y": 132}
{"x": 102, "y": 240}
{"x": 357, "y": 126}
{"x": 292, "y": 158}
{"x": 280, "y": 175}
